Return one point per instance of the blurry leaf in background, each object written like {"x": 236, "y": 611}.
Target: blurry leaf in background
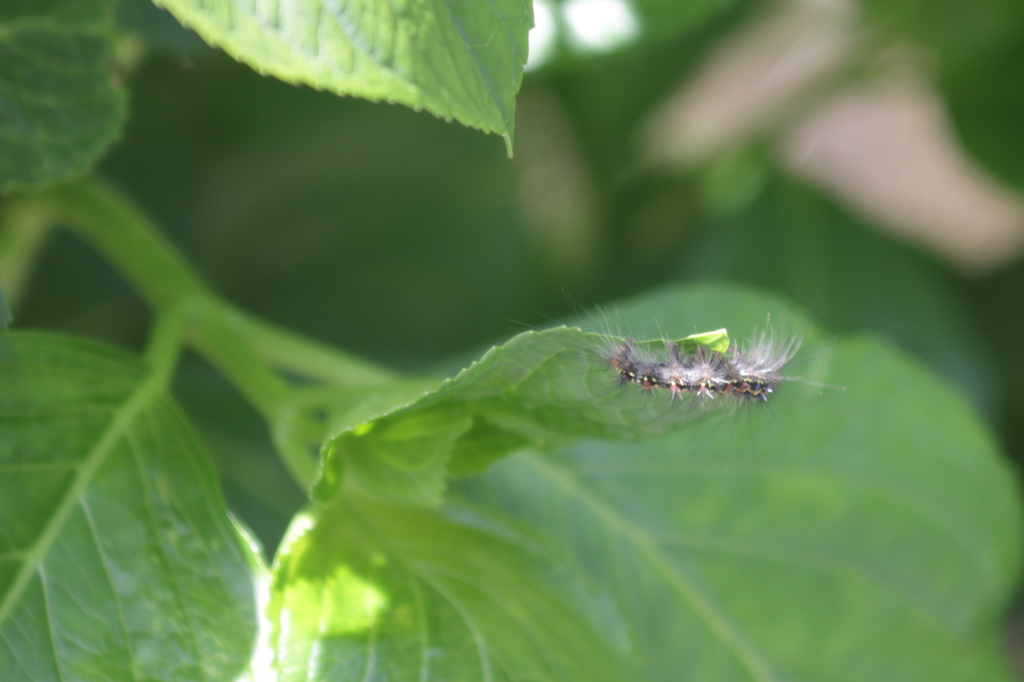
{"x": 363, "y": 591}
{"x": 975, "y": 51}
{"x": 118, "y": 560}
{"x": 960, "y": 35}
{"x": 159, "y": 30}
{"x": 995, "y": 306}
{"x": 862, "y": 535}
{"x": 606, "y": 226}
{"x": 987, "y": 105}
{"x": 364, "y": 225}
{"x": 734, "y": 179}
{"x": 753, "y": 78}
{"x": 851, "y": 278}
{"x": 607, "y": 99}
{"x": 556, "y": 192}
{"x": 61, "y": 101}
{"x": 887, "y": 149}
{"x": 884, "y": 146}
{"x": 456, "y": 60}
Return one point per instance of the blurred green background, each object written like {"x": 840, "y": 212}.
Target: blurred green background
{"x": 865, "y": 160}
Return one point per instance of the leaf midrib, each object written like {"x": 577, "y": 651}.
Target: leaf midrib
{"x": 123, "y": 417}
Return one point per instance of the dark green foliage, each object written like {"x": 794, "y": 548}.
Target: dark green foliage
{"x": 499, "y": 507}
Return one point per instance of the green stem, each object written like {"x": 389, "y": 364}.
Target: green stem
{"x": 295, "y": 456}
{"x": 242, "y": 347}
{"x": 306, "y": 357}
{"x": 164, "y": 344}
{"x": 108, "y": 220}
{"x": 266, "y": 391}
{"x": 23, "y": 231}
{"x": 157, "y": 270}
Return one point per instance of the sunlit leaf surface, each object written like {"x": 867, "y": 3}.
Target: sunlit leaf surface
{"x": 117, "y": 558}
{"x": 461, "y": 60}
{"x": 860, "y": 535}
{"x": 372, "y": 593}
{"x": 540, "y": 388}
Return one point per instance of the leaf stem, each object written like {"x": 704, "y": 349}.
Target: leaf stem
{"x": 265, "y": 390}
{"x": 246, "y": 350}
{"x": 164, "y": 344}
{"x": 23, "y": 231}
{"x": 116, "y": 228}
{"x": 306, "y": 357}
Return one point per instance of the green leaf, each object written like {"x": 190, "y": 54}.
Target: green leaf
{"x": 390, "y": 460}
{"x": 717, "y": 341}
{"x": 539, "y": 388}
{"x": 858, "y": 535}
{"x": 959, "y": 32}
{"x": 118, "y": 560}
{"x": 374, "y": 593}
{"x": 61, "y": 104}
{"x": 401, "y": 459}
{"x": 460, "y": 60}
{"x": 987, "y": 108}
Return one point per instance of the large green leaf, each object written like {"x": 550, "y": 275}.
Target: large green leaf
{"x": 539, "y": 388}
{"x": 460, "y": 60}
{"x": 61, "y": 104}
{"x": 373, "y": 593}
{"x": 858, "y": 535}
{"x": 117, "y": 557}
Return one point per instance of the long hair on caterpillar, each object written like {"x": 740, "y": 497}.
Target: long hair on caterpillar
{"x": 624, "y": 376}
{"x": 741, "y": 372}
{"x": 707, "y": 370}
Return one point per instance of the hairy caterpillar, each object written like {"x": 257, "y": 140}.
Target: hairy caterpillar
{"x": 706, "y": 366}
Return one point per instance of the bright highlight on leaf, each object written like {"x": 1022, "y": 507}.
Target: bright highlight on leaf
{"x": 375, "y": 593}
{"x": 717, "y": 341}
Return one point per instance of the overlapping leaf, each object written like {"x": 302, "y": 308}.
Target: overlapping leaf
{"x": 117, "y": 558}
{"x": 60, "y": 103}
{"x": 539, "y": 388}
{"x": 772, "y": 544}
{"x": 460, "y": 60}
